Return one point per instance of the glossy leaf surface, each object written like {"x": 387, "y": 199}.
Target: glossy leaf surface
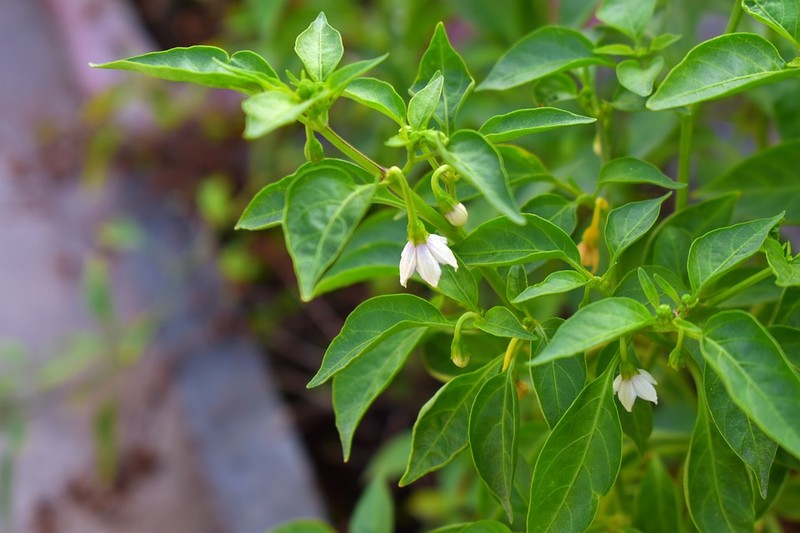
{"x": 320, "y": 48}
{"x": 503, "y": 128}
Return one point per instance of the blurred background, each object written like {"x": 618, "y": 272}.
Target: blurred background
{"x": 153, "y": 361}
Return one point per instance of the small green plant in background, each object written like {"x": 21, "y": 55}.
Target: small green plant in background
{"x": 578, "y": 325}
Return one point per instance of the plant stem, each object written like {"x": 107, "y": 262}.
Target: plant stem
{"x": 684, "y": 159}
{"x": 736, "y": 16}
{"x": 348, "y": 149}
{"x": 733, "y": 291}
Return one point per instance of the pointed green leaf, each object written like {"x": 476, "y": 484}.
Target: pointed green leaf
{"x": 789, "y": 340}
{"x": 787, "y": 271}
{"x": 423, "y": 104}
{"x": 348, "y": 73}
{"x": 783, "y": 16}
{"x": 638, "y": 424}
{"x": 554, "y": 208}
{"x": 442, "y": 426}
{"x": 370, "y": 323}
{"x": 493, "y": 427}
{"x": 203, "y": 65}
{"x": 545, "y": 51}
{"x": 718, "y": 489}
{"x": 555, "y": 283}
{"x": 634, "y": 171}
{"x": 501, "y": 322}
{"x": 481, "y": 526}
{"x": 718, "y": 251}
{"x": 266, "y": 112}
{"x": 628, "y": 16}
{"x": 657, "y": 509}
{"x": 441, "y": 57}
{"x": 358, "y": 385}
{"x": 374, "y": 512}
{"x": 756, "y": 374}
{"x": 638, "y": 79}
{"x": 670, "y": 285}
{"x": 558, "y": 382}
{"x": 596, "y": 324}
{"x": 503, "y": 128}
{"x": 372, "y": 252}
{"x": 265, "y": 210}
{"x": 719, "y": 67}
{"x": 578, "y": 463}
{"x": 320, "y": 48}
{"x": 378, "y": 95}
{"x": 323, "y": 207}
{"x": 501, "y": 242}
{"x": 745, "y": 438}
{"x": 768, "y": 180}
{"x": 481, "y": 166}
{"x": 648, "y": 287}
{"x": 628, "y": 223}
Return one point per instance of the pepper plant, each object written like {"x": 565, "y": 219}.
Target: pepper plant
{"x": 565, "y": 319}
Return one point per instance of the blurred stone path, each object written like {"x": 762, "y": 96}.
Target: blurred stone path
{"x": 206, "y": 445}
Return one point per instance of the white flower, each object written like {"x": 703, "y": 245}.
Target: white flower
{"x": 640, "y": 385}
{"x": 425, "y": 258}
{"x": 458, "y": 216}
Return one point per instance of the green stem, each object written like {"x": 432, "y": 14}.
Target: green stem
{"x": 684, "y": 159}
{"x": 736, "y": 16}
{"x": 739, "y": 287}
{"x": 348, "y": 149}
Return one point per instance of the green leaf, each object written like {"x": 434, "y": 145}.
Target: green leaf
{"x": 266, "y": 112}
{"x": 460, "y": 285}
{"x": 789, "y": 340}
{"x": 638, "y": 424}
{"x": 718, "y": 489}
{"x": 669, "y": 285}
{"x": 203, "y": 65}
{"x": 638, "y": 79}
{"x": 358, "y": 385}
{"x": 378, "y": 95}
{"x": 370, "y": 323}
{"x": 303, "y": 526}
{"x": 768, "y": 180}
{"x": 555, "y": 283}
{"x": 441, "y": 57}
{"x": 745, "y": 438}
{"x": 501, "y": 322}
{"x": 493, "y": 427}
{"x": 756, "y": 374}
{"x": 596, "y": 324}
{"x": 719, "y": 67}
{"x": 372, "y": 252}
{"x": 545, "y": 51}
{"x": 323, "y": 207}
{"x": 265, "y": 210}
{"x": 787, "y": 271}
{"x": 648, "y": 287}
{"x": 442, "y": 426}
{"x": 628, "y": 16}
{"x": 783, "y": 16}
{"x": 480, "y": 164}
{"x": 788, "y": 313}
{"x": 628, "y": 223}
{"x": 635, "y": 171}
{"x": 320, "y": 48}
{"x": 554, "y": 208}
{"x": 348, "y": 73}
{"x": 578, "y": 463}
{"x": 719, "y": 251}
{"x": 374, "y": 512}
{"x": 481, "y": 526}
{"x": 503, "y": 128}
{"x": 501, "y": 242}
{"x": 558, "y": 382}
{"x": 657, "y": 509}
{"x": 423, "y": 104}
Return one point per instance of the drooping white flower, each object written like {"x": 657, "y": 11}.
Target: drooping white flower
{"x": 640, "y": 385}
{"x": 458, "y": 215}
{"x": 425, "y": 258}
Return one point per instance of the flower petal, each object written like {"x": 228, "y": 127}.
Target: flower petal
{"x": 627, "y": 395}
{"x": 440, "y": 251}
{"x": 617, "y": 381}
{"x": 427, "y": 266}
{"x": 646, "y": 375}
{"x": 644, "y": 389}
{"x": 408, "y": 262}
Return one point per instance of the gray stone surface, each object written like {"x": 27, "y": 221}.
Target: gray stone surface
{"x": 205, "y": 444}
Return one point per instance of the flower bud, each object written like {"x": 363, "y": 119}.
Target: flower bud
{"x": 458, "y": 215}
